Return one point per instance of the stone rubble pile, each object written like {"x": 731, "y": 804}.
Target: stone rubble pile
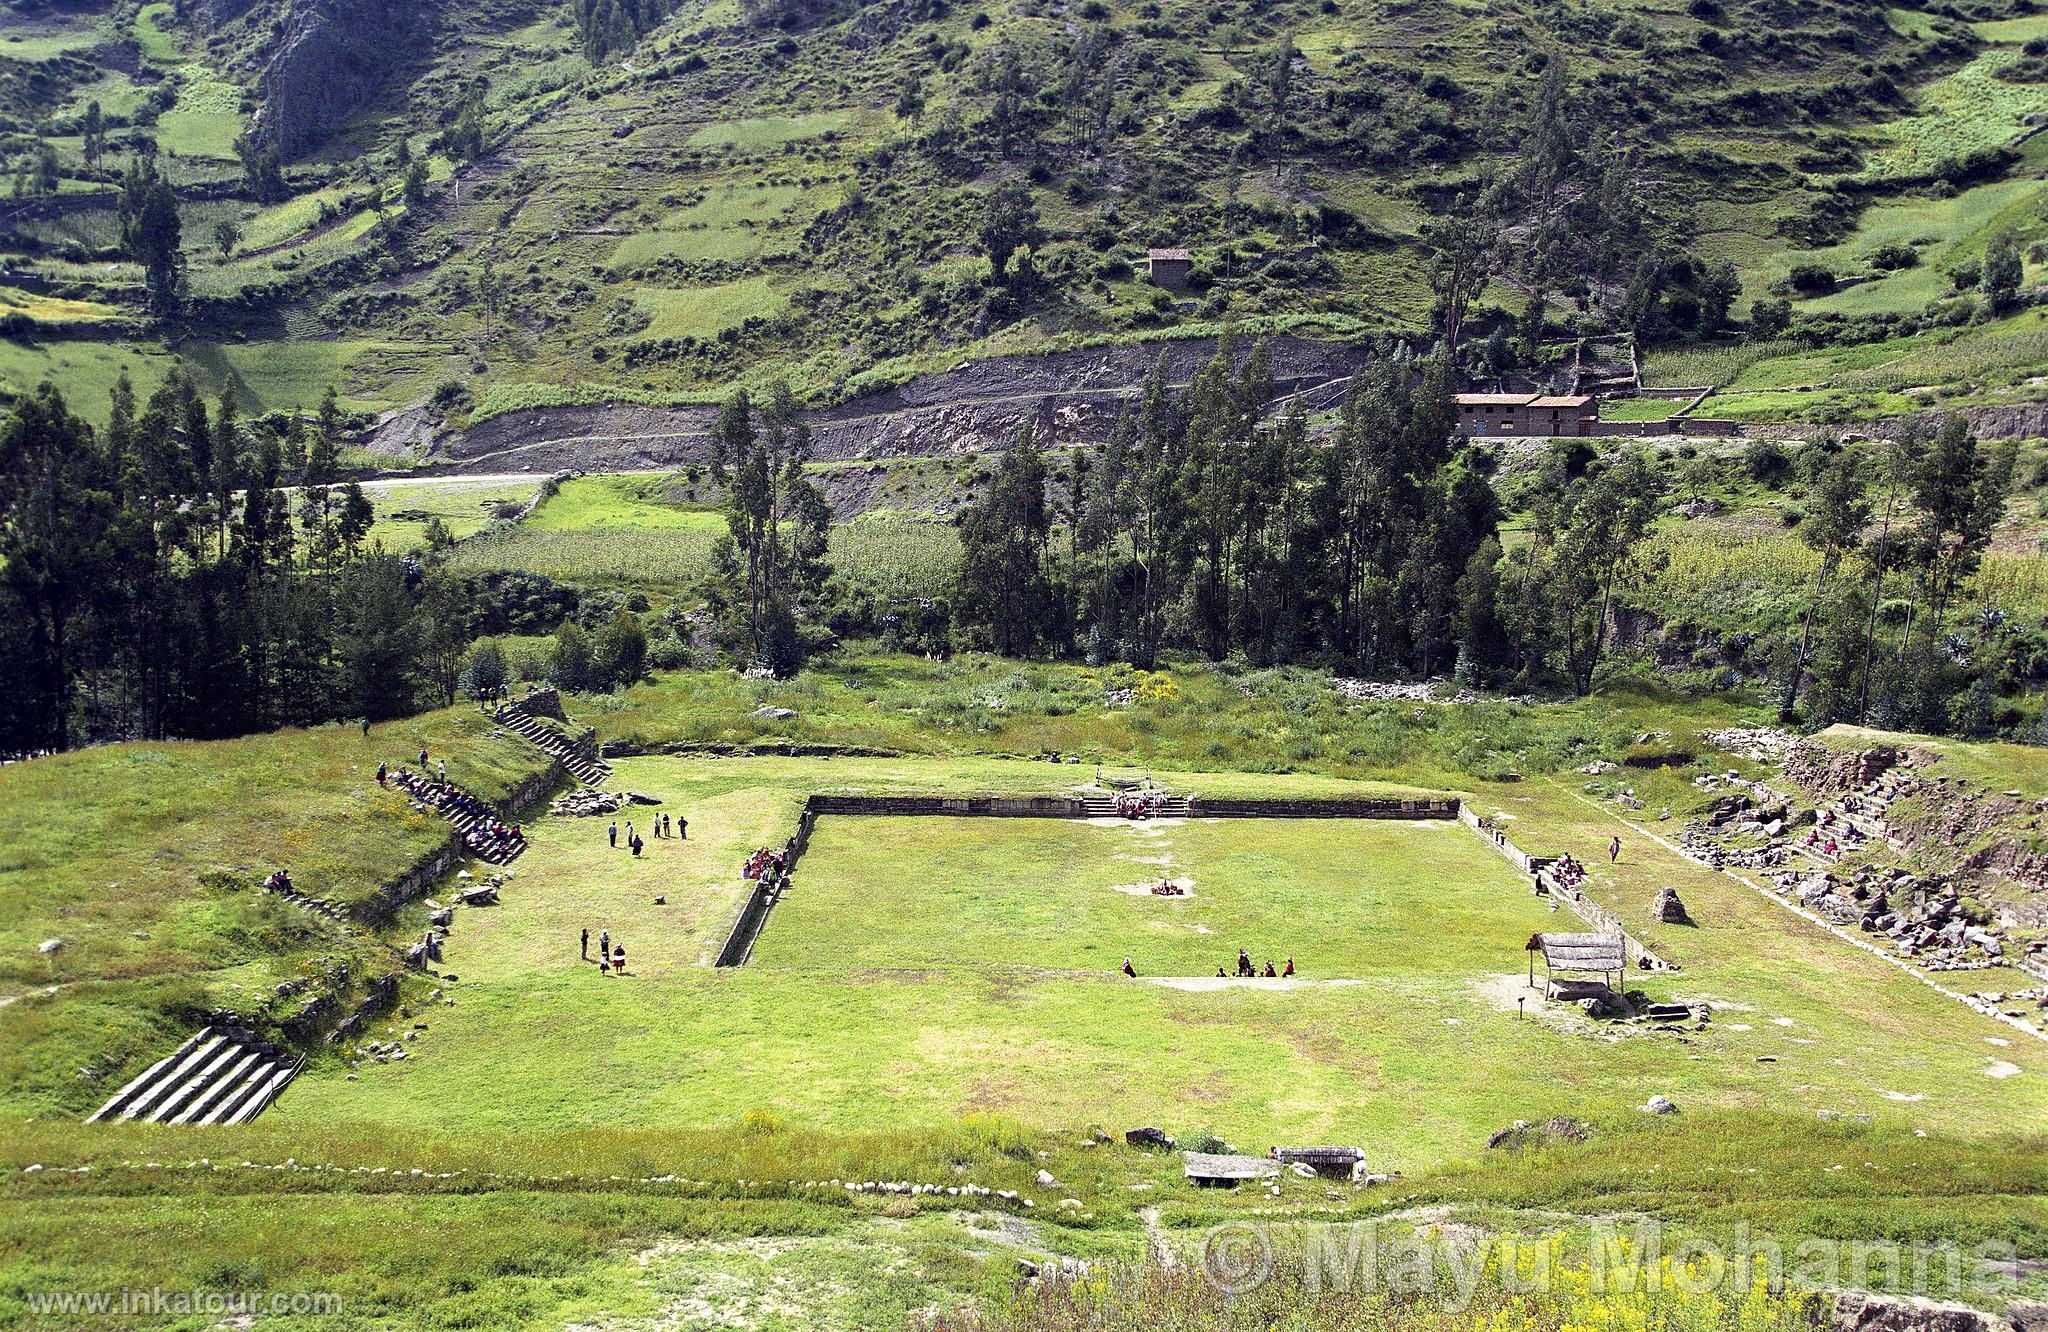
{"x": 1425, "y": 691}
{"x": 1753, "y": 826}
{"x": 589, "y": 802}
{"x": 1758, "y": 744}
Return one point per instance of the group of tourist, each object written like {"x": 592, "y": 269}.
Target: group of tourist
{"x": 1246, "y": 969}
{"x": 1168, "y": 888}
{"x": 611, "y": 957}
{"x": 763, "y": 864}
{"x": 1139, "y": 804}
{"x": 488, "y": 836}
{"x": 280, "y": 881}
{"x": 1569, "y": 873}
{"x": 634, "y": 842}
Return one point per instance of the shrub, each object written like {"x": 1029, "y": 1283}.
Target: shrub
{"x": 1766, "y": 461}
{"x": 1890, "y": 258}
{"x": 1811, "y": 279}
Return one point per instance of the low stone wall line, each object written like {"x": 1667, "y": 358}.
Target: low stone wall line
{"x": 1582, "y": 906}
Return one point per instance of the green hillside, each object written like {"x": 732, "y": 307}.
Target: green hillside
{"x": 547, "y": 198}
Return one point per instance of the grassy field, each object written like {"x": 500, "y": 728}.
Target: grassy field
{"x": 1639, "y": 409}
{"x": 1345, "y": 899}
{"x": 463, "y": 504}
{"x": 921, "y": 973}
{"x": 631, "y": 530}
{"x": 769, "y": 131}
{"x": 705, "y": 311}
{"x": 936, "y": 1000}
{"x": 143, "y": 861}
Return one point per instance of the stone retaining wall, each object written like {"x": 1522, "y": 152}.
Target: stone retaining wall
{"x": 414, "y": 881}
{"x": 1014, "y": 807}
{"x": 1367, "y": 807}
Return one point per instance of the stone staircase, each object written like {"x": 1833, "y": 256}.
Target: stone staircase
{"x": 585, "y": 766}
{"x": 222, "y": 1075}
{"x": 318, "y": 906}
{"x": 429, "y": 793}
{"x": 1104, "y": 806}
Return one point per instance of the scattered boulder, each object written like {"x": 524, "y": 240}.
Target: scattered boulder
{"x": 1659, "y": 1105}
{"x": 49, "y": 946}
{"x": 1147, "y": 1137}
{"x": 1046, "y": 1180}
{"x": 771, "y": 713}
{"x": 1669, "y": 909}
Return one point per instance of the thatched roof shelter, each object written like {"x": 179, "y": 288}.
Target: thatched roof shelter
{"x": 1578, "y": 955}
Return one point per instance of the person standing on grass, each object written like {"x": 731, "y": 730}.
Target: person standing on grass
{"x": 682, "y": 830}
{"x": 1614, "y": 849}
{"x": 613, "y": 832}
{"x": 586, "y": 943}
{"x": 631, "y": 836}
{"x": 366, "y": 728}
{"x": 619, "y": 960}
{"x": 1129, "y": 970}
{"x": 604, "y": 943}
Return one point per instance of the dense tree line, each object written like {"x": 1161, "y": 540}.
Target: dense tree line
{"x": 182, "y": 572}
{"x": 1901, "y": 527}
{"x": 1214, "y": 520}
{"x": 1210, "y": 522}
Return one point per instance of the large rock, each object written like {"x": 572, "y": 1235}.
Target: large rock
{"x": 1669, "y": 909}
{"x": 334, "y": 56}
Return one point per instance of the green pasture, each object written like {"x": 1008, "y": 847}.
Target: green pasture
{"x": 1346, "y": 899}
{"x": 758, "y": 132}
{"x": 731, "y": 222}
{"x": 52, "y": 309}
{"x": 33, "y": 42}
{"x": 84, "y": 371}
{"x": 1639, "y": 409}
{"x": 1960, "y": 112}
{"x": 703, "y": 312}
{"x": 205, "y": 120}
{"x": 645, "y": 545}
{"x": 462, "y": 503}
{"x": 156, "y": 43}
{"x": 637, "y": 502}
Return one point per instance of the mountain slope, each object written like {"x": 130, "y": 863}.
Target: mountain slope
{"x": 734, "y": 189}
